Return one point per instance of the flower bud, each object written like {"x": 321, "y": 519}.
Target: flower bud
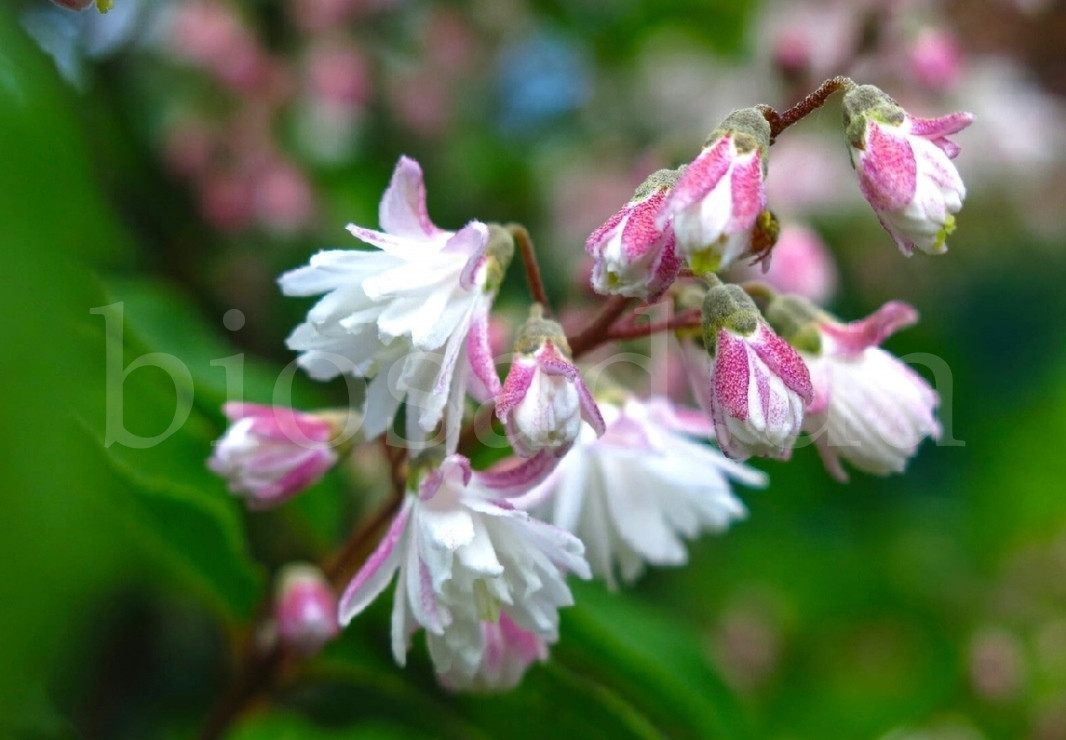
{"x": 758, "y": 385}
{"x": 305, "y": 608}
{"x": 633, "y": 256}
{"x": 719, "y": 196}
{"x": 269, "y": 454}
{"x": 544, "y": 399}
{"x": 904, "y": 168}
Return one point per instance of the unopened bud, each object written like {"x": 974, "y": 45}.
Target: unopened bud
{"x": 305, "y": 608}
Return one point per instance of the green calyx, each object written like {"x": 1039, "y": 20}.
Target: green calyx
{"x": 864, "y": 102}
{"x": 658, "y": 180}
{"x": 749, "y": 129}
{"x": 498, "y": 254}
{"x": 537, "y": 330}
{"x": 795, "y": 319}
{"x": 727, "y": 306}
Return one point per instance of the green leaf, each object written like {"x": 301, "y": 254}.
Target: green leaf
{"x": 291, "y": 726}
{"x": 653, "y": 662}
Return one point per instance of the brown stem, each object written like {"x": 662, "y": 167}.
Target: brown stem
{"x": 780, "y": 121}
{"x": 595, "y": 333}
{"x": 262, "y": 666}
{"x": 690, "y": 319}
{"x": 529, "y": 261}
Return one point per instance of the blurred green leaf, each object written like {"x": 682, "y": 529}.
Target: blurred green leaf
{"x": 656, "y": 664}
{"x": 290, "y": 726}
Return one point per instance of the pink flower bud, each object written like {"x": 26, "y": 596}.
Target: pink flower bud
{"x": 935, "y": 59}
{"x": 869, "y": 408}
{"x": 634, "y": 257}
{"x": 543, "y": 400}
{"x": 758, "y": 385}
{"x": 718, "y": 197}
{"x": 800, "y": 263}
{"x": 905, "y": 169}
{"x": 269, "y": 453}
{"x": 305, "y": 608}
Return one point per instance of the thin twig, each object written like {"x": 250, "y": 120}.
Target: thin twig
{"x": 595, "y": 333}
{"x": 780, "y": 121}
{"x": 690, "y": 319}
{"x": 529, "y": 261}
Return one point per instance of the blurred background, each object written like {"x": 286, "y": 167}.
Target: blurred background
{"x": 161, "y": 164}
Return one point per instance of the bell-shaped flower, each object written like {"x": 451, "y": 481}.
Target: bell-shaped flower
{"x": 633, "y": 256}
{"x": 756, "y": 385}
{"x": 411, "y": 315}
{"x": 869, "y": 408}
{"x": 905, "y": 169}
{"x": 544, "y": 399}
{"x": 305, "y": 608}
{"x": 719, "y": 196}
{"x": 269, "y": 454}
{"x": 465, "y": 556}
{"x": 636, "y": 493}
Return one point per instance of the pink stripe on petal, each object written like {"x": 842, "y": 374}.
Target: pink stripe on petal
{"x": 590, "y": 412}
{"x": 731, "y": 375}
{"x": 698, "y": 179}
{"x": 933, "y": 128}
{"x": 376, "y": 573}
{"x": 479, "y": 353}
{"x": 640, "y": 232}
{"x": 785, "y": 362}
{"x": 749, "y": 196}
{"x": 601, "y": 236}
{"x": 403, "y": 206}
{"x": 515, "y": 386}
{"x": 887, "y": 170}
{"x": 517, "y": 480}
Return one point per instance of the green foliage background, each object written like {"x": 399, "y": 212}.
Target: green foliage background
{"x": 124, "y": 573}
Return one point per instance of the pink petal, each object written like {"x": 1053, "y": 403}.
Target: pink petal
{"x": 698, "y": 179}
{"x": 376, "y": 573}
{"x": 887, "y": 170}
{"x": 517, "y": 480}
{"x": 857, "y": 336}
{"x": 403, "y": 206}
{"x": 749, "y": 196}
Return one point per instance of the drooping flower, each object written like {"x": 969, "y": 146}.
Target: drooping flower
{"x": 305, "y": 608}
{"x": 719, "y": 196}
{"x": 633, "y": 256}
{"x": 465, "y": 556}
{"x": 269, "y": 454}
{"x": 869, "y": 408}
{"x": 905, "y": 169}
{"x": 411, "y": 316}
{"x": 635, "y": 494}
{"x": 544, "y": 400}
{"x": 755, "y": 385}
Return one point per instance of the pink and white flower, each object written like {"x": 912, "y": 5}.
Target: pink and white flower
{"x": 305, "y": 608}
{"x": 636, "y": 493}
{"x": 905, "y": 169}
{"x": 507, "y": 652}
{"x": 869, "y": 408}
{"x": 544, "y": 400}
{"x": 466, "y": 556}
{"x": 411, "y": 316}
{"x": 269, "y": 454}
{"x": 719, "y": 196}
{"x": 634, "y": 256}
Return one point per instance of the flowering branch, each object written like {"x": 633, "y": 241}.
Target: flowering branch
{"x": 529, "y": 262}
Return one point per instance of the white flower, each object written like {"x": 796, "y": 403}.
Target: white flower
{"x": 633, "y": 494}
{"x": 412, "y": 315}
{"x": 466, "y": 556}
{"x": 869, "y": 408}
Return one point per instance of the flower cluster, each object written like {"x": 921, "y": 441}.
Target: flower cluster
{"x": 601, "y": 480}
